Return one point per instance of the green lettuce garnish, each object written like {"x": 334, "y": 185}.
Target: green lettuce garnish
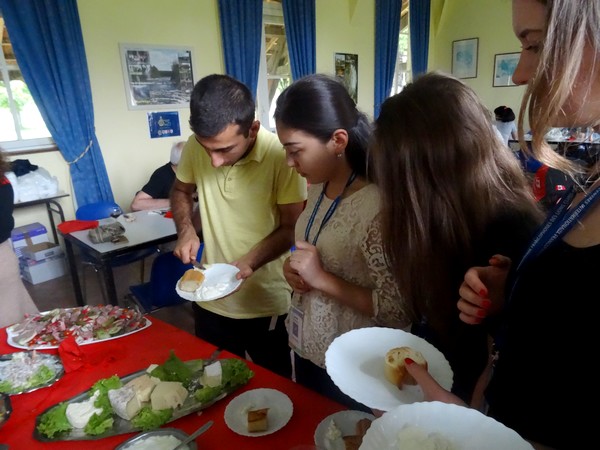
{"x": 54, "y": 422}
{"x": 148, "y": 419}
{"x": 40, "y": 377}
{"x": 235, "y": 373}
{"x": 99, "y": 423}
{"x": 173, "y": 369}
{"x": 207, "y": 393}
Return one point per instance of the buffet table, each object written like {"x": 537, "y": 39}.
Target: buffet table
{"x": 152, "y": 345}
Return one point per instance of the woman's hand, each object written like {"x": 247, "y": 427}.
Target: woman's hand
{"x": 293, "y": 278}
{"x": 482, "y": 291}
{"x": 305, "y": 260}
{"x": 431, "y": 388}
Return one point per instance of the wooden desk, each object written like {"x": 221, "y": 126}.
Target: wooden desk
{"x": 147, "y": 230}
{"x": 135, "y": 352}
{"x": 52, "y": 207}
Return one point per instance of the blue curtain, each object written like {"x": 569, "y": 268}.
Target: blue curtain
{"x": 419, "y": 35}
{"x": 387, "y": 28}
{"x": 47, "y": 41}
{"x": 241, "y": 32}
{"x": 299, "y": 19}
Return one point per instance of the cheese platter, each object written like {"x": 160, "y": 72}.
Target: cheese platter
{"x": 142, "y": 401}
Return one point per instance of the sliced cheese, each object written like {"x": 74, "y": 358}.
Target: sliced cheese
{"x": 143, "y": 387}
{"x": 79, "y": 414}
{"x": 124, "y": 402}
{"x": 168, "y": 394}
{"x": 212, "y": 375}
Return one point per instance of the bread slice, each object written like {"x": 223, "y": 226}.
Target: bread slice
{"x": 191, "y": 280}
{"x": 257, "y": 420}
{"x": 395, "y": 369}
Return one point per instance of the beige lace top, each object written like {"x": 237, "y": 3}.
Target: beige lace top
{"x": 350, "y": 247}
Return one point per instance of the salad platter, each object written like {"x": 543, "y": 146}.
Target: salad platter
{"x": 142, "y": 401}
{"x": 28, "y": 371}
{"x": 87, "y": 324}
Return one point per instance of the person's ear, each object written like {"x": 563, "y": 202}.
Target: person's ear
{"x": 254, "y": 128}
{"x": 340, "y": 140}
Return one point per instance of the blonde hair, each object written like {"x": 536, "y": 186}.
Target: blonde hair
{"x": 444, "y": 178}
{"x": 570, "y": 27}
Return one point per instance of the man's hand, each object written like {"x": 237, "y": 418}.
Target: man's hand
{"x": 187, "y": 245}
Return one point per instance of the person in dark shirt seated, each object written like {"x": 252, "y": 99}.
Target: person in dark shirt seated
{"x": 155, "y": 194}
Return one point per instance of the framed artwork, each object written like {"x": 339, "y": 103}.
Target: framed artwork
{"x": 504, "y": 67}
{"x": 346, "y": 70}
{"x": 157, "y": 76}
{"x": 464, "y": 58}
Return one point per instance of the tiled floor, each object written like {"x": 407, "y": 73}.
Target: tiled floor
{"x": 58, "y": 293}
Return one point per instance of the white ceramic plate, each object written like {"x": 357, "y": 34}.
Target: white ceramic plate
{"x": 355, "y": 362}
{"x": 163, "y": 432}
{"x": 280, "y": 410}
{"x": 345, "y": 421}
{"x": 219, "y": 282}
{"x": 466, "y": 428}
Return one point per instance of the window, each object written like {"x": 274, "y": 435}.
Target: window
{"x": 274, "y": 73}
{"x": 402, "y": 72}
{"x": 21, "y": 125}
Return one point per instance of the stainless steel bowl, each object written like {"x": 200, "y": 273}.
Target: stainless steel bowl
{"x": 179, "y": 434}
{"x": 5, "y": 408}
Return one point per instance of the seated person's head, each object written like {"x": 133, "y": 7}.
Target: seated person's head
{"x": 504, "y": 114}
{"x": 176, "y": 150}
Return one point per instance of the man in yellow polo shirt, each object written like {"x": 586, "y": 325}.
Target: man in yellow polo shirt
{"x": 249, "y": 200}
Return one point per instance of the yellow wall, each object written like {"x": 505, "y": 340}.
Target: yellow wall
{"x": 491, "y": 22}
{"x": 343, "y": 26}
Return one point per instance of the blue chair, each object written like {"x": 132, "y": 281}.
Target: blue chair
{"x": 160, "y": 292}
{"x": 103, "y": 210}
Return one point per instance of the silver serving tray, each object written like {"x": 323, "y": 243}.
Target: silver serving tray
{"x": 52, "y": 359}
{"x": 122, "y": 426}
{"x": 179, "y": 434}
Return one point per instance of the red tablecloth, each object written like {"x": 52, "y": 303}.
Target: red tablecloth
{"x": 135, "y": 352}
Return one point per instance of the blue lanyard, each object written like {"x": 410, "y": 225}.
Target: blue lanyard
{"x": 558, "y": 224}
{"x": 329, "y": 212}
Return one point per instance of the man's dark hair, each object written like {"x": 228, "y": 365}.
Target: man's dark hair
{"x": 504, "y": 114}
{"x": 218, "y": 101}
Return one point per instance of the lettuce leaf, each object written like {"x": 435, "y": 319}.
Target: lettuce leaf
{"x": 173, "y": 369}
{"x": 54, "y": 422}
{"x": 235, "y": 373}
{"x": 149, "y": 419}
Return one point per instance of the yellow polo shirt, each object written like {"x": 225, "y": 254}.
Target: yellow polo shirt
{"x": 238, "y": 209}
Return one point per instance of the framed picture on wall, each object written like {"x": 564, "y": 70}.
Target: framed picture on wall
{"x": 157, "y": 76}
{"x": 346, "y": 70}
{"x": 464, "y": 58}
{"x": 504, "y": 67}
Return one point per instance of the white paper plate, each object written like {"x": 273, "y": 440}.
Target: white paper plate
{"x": 280, "y": 410}
{"x": 466, "y": 428}
{"x": 355, "y": 362}
{"x": 345, "y": 421}
{"x": 219, "y": 282}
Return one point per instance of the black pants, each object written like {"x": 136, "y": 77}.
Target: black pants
{"x": 310, "y": 375}
{"x": 266, "y": 348}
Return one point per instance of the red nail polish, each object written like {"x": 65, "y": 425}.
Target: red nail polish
{"x": 483, "y": 293}
{"x": 408, "y": 361}
{"x": 486, "y": 304}
{"x": 481, "y": 313}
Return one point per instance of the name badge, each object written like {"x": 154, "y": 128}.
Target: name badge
{"x": 295, "y": 337}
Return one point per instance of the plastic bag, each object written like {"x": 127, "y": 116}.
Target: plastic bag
{"x": 106, "y": 233}
{"x": 36, "y": 184}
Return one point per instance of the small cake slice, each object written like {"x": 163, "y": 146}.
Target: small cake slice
{"x": 257, "y": 420}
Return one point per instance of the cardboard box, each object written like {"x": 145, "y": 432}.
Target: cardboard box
{"x": 40, "y": 251}
{"x": 39, "y": 271}
{"x": 34, "y": 233}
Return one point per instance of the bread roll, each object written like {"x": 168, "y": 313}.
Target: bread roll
{"x": 395, "y": 369}
{"x": 257, "y": 420}
{"x": 191, "y": 280}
